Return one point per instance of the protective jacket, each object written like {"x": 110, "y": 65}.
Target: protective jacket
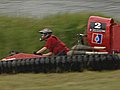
{"x": 56, "y": 46}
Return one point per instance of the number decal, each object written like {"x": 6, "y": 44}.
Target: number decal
{"x": 97, "y": 25}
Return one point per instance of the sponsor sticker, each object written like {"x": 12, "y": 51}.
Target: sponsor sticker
{"x": 97, "y": 38}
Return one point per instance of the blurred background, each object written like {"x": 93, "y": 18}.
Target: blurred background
{"x": 41, "y": 8}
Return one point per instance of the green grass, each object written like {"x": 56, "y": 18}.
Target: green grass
{"x": 21, "y": 34}
{"x": 106, "y": 80}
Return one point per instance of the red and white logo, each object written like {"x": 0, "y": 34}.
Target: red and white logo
{"x": 97, "y": 38}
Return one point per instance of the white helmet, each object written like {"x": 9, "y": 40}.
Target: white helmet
{"x": 46, "y": 32}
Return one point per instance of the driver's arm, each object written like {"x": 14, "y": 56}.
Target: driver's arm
{"x": 41, "y": 50}
{"x": 48, "y": 54}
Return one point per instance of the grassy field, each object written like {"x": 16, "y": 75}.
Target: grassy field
{"x": 21, "y": 34}
{"x": 106, "y": 80}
